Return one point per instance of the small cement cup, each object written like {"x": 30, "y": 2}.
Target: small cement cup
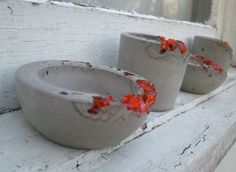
{"x": 140, "y": 53}
{"x": 213, "y": 49}
{"x": 55, "y": 97}
{"x": 199, "y": 80}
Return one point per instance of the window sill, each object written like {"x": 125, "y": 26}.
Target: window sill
{"x": 194, "y": 136}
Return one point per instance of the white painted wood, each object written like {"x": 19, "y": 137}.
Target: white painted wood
{"x": 31, "y": 31}
{"x": 162, "y": 143}
{"x": 24, "y": 149}
{"x": 219, "y": 14}
{"x": 228, "y": 164}
{"x": 229, "y": 26}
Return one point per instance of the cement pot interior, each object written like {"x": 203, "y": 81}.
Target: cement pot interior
{"x": 140, "y": 53}
{"x": 200, "y": 80}
{"x": 56, "y": 95}
{"x": 214, "y": 49}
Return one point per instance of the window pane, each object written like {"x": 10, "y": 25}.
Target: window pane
{"x": 188, "y": 10}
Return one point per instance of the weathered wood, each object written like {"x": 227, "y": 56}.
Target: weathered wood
{"x": 24, "y": 149}
{"x": 38, "y": 31}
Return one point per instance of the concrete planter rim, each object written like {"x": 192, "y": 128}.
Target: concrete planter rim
{"x": 32, "y": 70}
{"x": 229, "y": 48}
{"x": 151, "y": 39}
{"x": 142, "y": 37}
{"x": 47, "y": 92}
{"x": 199, "y": 66}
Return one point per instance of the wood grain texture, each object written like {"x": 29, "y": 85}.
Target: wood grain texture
{"x": 39, "y": 31}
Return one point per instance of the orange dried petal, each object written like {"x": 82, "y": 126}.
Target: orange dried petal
{"x": 209, "y": 63}
{"x": 99, "y": 103}
{"x": 172, "y": 45}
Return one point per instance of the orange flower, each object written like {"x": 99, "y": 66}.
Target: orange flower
{"x": 172, "y": 45}
{"x": 141, "y": 103}
{"x": 209, "y": 63}
{"x": 162, "y": 38}
{"x": 138, "y": 103}
{"x": 217, "y": 68}
{"x": 145, "y": 85}
{"x": 182, "y": 47}
{"x": 149, "y": 99}
{"x": 201, "y": 58}
{"x": 226, "y": 44}
{"x": 132, "y": 102}
{"x": 99, "y": 103}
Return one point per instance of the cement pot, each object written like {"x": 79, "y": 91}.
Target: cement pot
{"x": 140, "y": 53}
{"x": 202, "y": 80}
{"x": 58, "y": 96}
{"x": 214, "y": 49}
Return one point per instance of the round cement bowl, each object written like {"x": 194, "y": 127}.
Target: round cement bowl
{"x": 199, "y": 80}
{"x": 213, "y": 49}
{"x": 56, "y": 95}
{"x": 140, "y": 53}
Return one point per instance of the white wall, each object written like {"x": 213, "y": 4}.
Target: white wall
{"x": 228, "y": 33}
{"x": 229, "y": 25}
{"x": 31, "y": 32}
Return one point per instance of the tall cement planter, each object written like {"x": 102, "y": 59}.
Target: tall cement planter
{"x": 140, "y": 54}
{"x": 200, "y": 79}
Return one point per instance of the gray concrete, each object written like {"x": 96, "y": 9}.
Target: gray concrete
{"x": 213, "y": 49}
{"x": 141, "y": 54}
{"x": 200, "y": 79}
{"x": 56, "y": 95}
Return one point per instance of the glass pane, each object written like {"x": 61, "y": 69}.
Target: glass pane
{"x": 188, "y": 10}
